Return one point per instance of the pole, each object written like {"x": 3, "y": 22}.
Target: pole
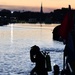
{"x": 63, "y": 61}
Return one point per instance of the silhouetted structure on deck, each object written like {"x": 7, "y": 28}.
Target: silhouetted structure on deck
{"x": 56, "y": 35}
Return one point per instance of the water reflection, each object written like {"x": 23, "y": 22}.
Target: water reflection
{"x": 15, "y": 59}
{"x": 11, "y": 33}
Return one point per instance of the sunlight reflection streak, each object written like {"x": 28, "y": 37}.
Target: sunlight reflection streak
{"x": 11, "y": 33}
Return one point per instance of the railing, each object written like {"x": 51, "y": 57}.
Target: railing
{"x": 71, "y": 70}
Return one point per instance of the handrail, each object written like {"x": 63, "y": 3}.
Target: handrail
{"x": 70, "y": 68}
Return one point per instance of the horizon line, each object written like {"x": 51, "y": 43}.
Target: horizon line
{"x": 27, "y": 8}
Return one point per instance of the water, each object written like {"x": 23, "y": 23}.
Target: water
{"x": 16, "y": 41}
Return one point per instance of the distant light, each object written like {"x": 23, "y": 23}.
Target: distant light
{"x": 5, "y": 16}
{"x": 12, "y": 12}
{"x": 54, "y": 64}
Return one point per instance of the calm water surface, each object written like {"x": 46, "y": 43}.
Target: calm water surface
{"x": 16, "y": 41}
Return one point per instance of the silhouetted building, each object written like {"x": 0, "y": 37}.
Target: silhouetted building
{"x": 33, "y": 17}
{"x": 41, "y": 14}
{"x": 41, "y": 9}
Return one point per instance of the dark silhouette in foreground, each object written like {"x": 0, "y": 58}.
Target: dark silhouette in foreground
{"x": 37, "y": 57}
{"x": 67, "y": 33}
{"x": 56, "y": 70}
{"x": 56, "y": 35}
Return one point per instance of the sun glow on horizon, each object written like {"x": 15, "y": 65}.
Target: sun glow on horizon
{"x": 37, "y": 3}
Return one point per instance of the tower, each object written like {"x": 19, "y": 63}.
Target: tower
{"x": 41, "y": 9}
{"x": 69, "y": 7}
{"x": 41, "y": 14}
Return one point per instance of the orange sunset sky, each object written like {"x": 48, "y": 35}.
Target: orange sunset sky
{"x": 34, "y": 5}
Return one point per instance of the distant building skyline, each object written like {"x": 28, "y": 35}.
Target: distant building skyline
{"x": 22, "y": 8}
{"x": 34, "y": 5}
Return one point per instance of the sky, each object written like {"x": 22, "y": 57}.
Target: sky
{"x": 35, "y": 4}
